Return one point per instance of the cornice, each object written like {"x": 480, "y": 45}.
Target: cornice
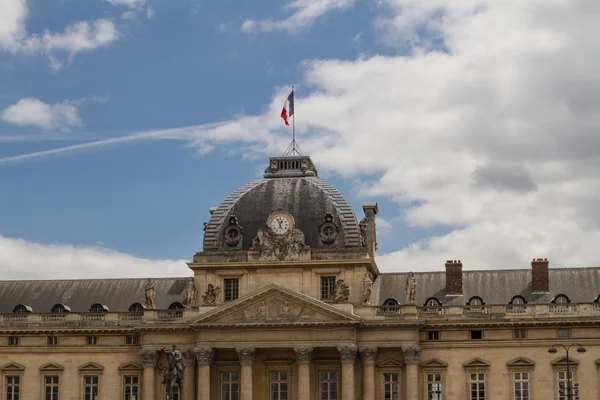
{"x": 281, "y": 264}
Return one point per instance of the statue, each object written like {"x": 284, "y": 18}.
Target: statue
{"x": 363, "y": 232}
{"x": 211, "y": 296}
{"x": 150, "y": 294}
{"x": 173, "y": 372}
{"x": 341, "y": 291}
{"x": 410, "y": 289}
{"x": 191, "y": 292}
{"x": 367, "y": 285}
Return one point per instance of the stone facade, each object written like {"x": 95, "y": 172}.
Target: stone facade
{"x": 274, "y": 323}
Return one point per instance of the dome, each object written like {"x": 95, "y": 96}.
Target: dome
{"x": 290, "y": 185}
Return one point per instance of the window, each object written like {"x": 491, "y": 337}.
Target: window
{"x": 60, "y": 309}
{"x": 131, "y": 387}
{"x": 521, "y": 385}
{"x": 90, "y": 387}
{"x": 390, "y": 386}
{"x": 232, "y": 289}
{"x": 434, "y": 386}
{"x": 132, "y": 339}
{"x": 136, "y": 307}
{"x": 13, "y": 387}
{"x": 230, "y": 386}
{"x": 564, "y": 332}
{"x": 22, "y": 309}
{"x": 327, "y": 287}
{"x": 175, "y": 394}
{"x": 432, "y": 302}
{"x": 562, "y": 382}
{"x": 98, "y": 308}
{"x": 476, "y": 334}
{"x": 517, "y": 300}
{"x": 51, "y": 387}
{"x": 13, "y": 340}
{"x": 433, "y": 335}
{"x": 176, "y": 306}
{"x": 520, "y": 333}
{"x": 477, "y": 386}
{"x": 328, "y": 384}
{"x": 561, "y": 299}
{"x": 52, "y": 340}
{"x": 279, "y": 385}
{"x": 92, "y": 340}
{"x": 475, "y": 301}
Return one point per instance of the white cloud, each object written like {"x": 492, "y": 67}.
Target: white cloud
{"x": 20, "y": 259}
{"x": 78, "y": 37}
{"x": 128, "y": 3}
{"x": 31, "y": 111}
{"x": 303, "y": 14}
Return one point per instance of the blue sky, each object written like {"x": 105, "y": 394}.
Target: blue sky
{"x": 388, "y": 93}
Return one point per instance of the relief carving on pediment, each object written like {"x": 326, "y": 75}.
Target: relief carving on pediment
{"x": 275, "y": 310}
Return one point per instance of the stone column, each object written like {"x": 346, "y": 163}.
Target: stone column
{"x": 188, "y": 375}
{"x": 411, "y": 357}
{"x": 347, "y": 357}
{"x": 149, "y": 358}
{"x": 204, "y": 356}
{"x": 246, "y": 359}
{"x": 368, "y": 355}
{"x": 303, "y": 357}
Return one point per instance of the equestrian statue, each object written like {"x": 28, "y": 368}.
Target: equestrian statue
{"x": 173, "y": 372}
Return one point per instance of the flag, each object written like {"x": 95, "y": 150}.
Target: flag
{"x": 289, "y": 111}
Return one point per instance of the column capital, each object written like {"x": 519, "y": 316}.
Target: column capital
{"x": 246, "y": 355}
{"x": 204, "y": 355}
{"x": 411, "y": 354}
{"x": 149, "y": 358}
{"x": 303, "y": 354}
{"x": 347, "y": 353}
{"x": 188, "y": 357}
{"x": 368, "y": 355}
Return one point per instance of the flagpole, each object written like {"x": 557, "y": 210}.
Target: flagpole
{"x": 294, "y": 122}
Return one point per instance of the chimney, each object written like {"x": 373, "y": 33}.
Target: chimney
{"x": 368, "y": 230}
{"x": 540, "y": 282}
{"x": 454, "y": 278}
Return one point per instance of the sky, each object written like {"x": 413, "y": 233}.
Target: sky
{"x": 472, "y": 123}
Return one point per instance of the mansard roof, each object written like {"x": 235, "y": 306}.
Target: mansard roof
{"x": 581, "y": 285}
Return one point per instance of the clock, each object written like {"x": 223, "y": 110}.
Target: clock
{"x": 280, "y": 222}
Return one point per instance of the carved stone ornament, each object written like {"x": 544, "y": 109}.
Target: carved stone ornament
{"x": 279, "y": 240}
{"x": 410, "y": 289}
{"x": 233, "y": 233}
{"x": 347, "y": 353}
{"x": 341, "y": 292}
{"x": 204, "y": 355}
{"x": 188, "y": 357}
{"x": 367, "y": 285}
{"x": 191, "y": 292}
{"x": 149, "y": 358}
{"x": 411, "y": 354}
{"x": 246, "y": 355}
{"x": 150, "y": 294}
{"x": 368, "y": 355}
{"x": 363, "y": 232}
{"x": 211, "y": 296}
{"x": 328, "y": 230}
{"x": 303, "y": 354}
{"x": 273, "y": 309}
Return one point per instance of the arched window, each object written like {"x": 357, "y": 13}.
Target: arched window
{"x": 390, "y": 302}
{"x": 517, "y": 300}
{"x": 176, "y": 306}
{"x": 98, "y": 308}
{"x": 597, "y": 299}
{"x": 22, "y": 309}
{"x": 60, "y": 309}
{"x": 475, "y": 301}
{"x": 136, "y": 307}
{"x": 432, "y": 302}
{"x": 561, "y": 299}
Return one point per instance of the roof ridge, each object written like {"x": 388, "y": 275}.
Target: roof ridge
{"x": 490, "y": 270}
{"x": 94, "y": 279}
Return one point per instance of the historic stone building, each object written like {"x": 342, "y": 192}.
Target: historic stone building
{"x": 287, "y": 302}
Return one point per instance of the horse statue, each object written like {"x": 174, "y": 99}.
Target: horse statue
{"x": 173, "y": 373}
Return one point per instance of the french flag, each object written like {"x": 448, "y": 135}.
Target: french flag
{"x": 288, "y": 108}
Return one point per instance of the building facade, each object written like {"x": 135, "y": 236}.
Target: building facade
{"x": 286, "y": 302}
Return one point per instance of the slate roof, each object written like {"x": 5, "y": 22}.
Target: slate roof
{"x": 79, "y": 295}
{"x": 581, "y": 285}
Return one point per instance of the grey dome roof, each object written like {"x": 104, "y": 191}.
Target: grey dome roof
{"x": 291, "y": 184}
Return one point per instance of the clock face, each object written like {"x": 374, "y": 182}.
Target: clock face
{"x": 280, "y": 225}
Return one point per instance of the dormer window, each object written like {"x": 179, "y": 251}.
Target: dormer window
{"x": 22, "y": 309}
{"x": 432, "y": 302}
{"x": 136, "y": 307}
{"x": 475, "y": 301}
{"x": 98, "y": 308}
{"x": 60, "y": 309}
{"x": 176, "y": 306}
{"x": 561, "y": 299}
{"x": 517, "y": 300}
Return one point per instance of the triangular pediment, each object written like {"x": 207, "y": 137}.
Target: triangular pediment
{"x": 521, "y": 362}
{"x": 13, "y": 366}
{"x": 131, "y": 367}
{"x": 91, "y": 366}
{"x": 563, "y": 361}
{"x": 390, "y": 363}
{"x": 434, "y": 363}
{"x": 276, "y": 305}
{"x": 52, "y": 367}
{"x": 477, "y": 363}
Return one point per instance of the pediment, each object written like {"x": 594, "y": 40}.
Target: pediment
{"x": 131, "y": 367}
{"x": 434, "y": 363}
{"x": 13, "y": 366}
{"x": 521, "y": 362}
{"x": 390, "y": 363}
{"x": 91, "y": 366}
{"x": 52, "y": 367}
{"x": 276, "y": 305}
{"x": 563, "y": 361}
{"x": 477, "y": 363}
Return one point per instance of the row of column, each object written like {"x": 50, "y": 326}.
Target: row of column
{"x": 204, "y": 357}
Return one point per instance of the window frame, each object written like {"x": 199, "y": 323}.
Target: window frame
{"x": 388, "y": 367}
{"x": 559, "y": 336}
{"x": 475, "y": 330}
{"x": 322, "y": 279}
{"x": 470, "y": 381}
{"x": 230, "y": 279}
{"x": 14, "y": 373}
{"x": 520, "y": 298}
{"x": 521, "y": 371}
{"x": 384, "y": 382}
{"x": 476, "y": 299}
{"x": 281, "y": 369}
{"x": 126, "y": 375}
{"x": 326, "y": 368}
{"x": 134, "y": 342}
{"x": 520, "y": 337}
{"x": 51, "y": 374}
{"x": 83, "y": 384}
{"x": 560, "y": 296}
{"x": 438, "y": 303}
{"x": 426, "y": 374}
{"x": 228, "y": 369}
{"x": 13, "y": 341}
{"x": 52, "y": 340}
{"x": 433, "y": 335}
{"x": 557, "y": 380}
{"x": 92, "y": 338}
